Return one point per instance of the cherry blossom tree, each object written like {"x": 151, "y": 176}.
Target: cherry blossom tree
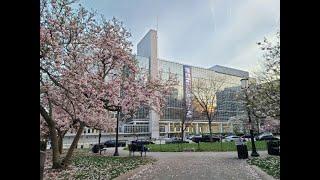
{"x": 71, "y": 89}
{"x": 267, "y": 88}
{"x": 263, "y": 94}
{"x": 86, "y": 69}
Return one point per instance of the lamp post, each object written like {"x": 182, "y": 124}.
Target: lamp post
{"x": 116, "y": 153}
{"x": 245, "y": 85}
{"x": 99, "y": 142}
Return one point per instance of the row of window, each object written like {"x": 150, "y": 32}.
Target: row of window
{"x": 136, "y": 128}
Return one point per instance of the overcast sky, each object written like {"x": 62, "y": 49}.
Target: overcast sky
{"x": 199, "y": 32}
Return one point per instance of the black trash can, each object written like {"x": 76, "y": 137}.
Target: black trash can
{"x": 242, "y": 151}
{"x": 273, "y": 148}
{"x": 95, "y": 148}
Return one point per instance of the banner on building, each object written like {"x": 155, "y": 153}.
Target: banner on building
{"x": 187, "y": 85}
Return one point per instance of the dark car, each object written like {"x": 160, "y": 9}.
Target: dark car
{"x": 96, "y": 148}
{"x": 205, "y": 138}
{"x": 140, "y": 141}
{"x": 268, "y": 138}
{"x": 177, "y": 141}
{"x": 112, "y": 143}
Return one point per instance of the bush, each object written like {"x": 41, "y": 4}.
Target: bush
{"x": 270, "y": 164}
{"x": 204, "y": 146}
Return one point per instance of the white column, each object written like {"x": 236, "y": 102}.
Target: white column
{"x": 197, "y": 128}
{"x": 221, "y": 128}
{"x": 147, "y": 47}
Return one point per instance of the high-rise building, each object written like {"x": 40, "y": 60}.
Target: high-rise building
{"x": 169, "y": 124}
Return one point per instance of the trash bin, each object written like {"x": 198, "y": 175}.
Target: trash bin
{"x": 241, "y": 149}
{"x": 95, "y": 149}
{"x": 273, "y": 147}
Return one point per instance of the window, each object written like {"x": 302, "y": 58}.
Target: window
{"x": 88, "y": 130}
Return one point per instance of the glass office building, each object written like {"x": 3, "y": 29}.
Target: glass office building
{"x": 169, "y": 123}
{"x": 148, "y": 123}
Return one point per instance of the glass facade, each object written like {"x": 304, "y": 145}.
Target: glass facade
{"x": 226, "y": 104}
{"x": 174, "y": 108}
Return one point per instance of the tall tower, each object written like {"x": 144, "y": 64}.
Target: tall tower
{"x": 148, "y": 47}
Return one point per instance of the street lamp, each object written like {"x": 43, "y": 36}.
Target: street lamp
{"x": 245, "y": 86}
{"x": 116, "y": 153}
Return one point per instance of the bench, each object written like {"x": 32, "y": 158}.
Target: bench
{"x": 137, "y": 147}
{"x": 104, "y": 150}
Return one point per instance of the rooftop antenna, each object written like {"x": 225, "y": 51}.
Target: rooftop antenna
{"x": 157, "y": 24}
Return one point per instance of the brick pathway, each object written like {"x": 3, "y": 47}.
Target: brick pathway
{"x": 197, "y": 165}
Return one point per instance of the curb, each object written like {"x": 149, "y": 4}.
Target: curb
{"x": 261, "y": 173}
{"x": 130, "y": 173}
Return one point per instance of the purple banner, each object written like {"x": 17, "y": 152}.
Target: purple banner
{"x": 187, "y": 85}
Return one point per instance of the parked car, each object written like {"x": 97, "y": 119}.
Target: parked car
{"x": 112, "y": 143}
{"x": 190, "y": 137}
{"x": 166, "y": 140}
{"x": 177, "y": 141}
{"x": 246, "y": 137}
{"x": 205, "y": 138}
{"x": 268, "y": 138}
{"x": 141, "y": 141}
{"x": 231, "y": 138}
{"x": 263, "y": 135}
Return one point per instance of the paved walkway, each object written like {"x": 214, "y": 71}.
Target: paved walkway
{"x": 196, "y": 165}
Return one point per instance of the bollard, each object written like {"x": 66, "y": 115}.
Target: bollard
{"x": 42, "y": 162}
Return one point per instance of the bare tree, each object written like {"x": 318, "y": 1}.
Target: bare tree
{"x": 204, "y": 92}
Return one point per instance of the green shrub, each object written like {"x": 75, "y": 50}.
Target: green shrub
{"x": 270, "y": 164}
{"x": 204, "y": 146}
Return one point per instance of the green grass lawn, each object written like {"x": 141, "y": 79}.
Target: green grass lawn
{"x": 214, "y": 147}
{"x": 86, "y": 165}
{"x": 270, "y": 165}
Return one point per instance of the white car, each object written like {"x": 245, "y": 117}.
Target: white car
{"x": 231, "y": 138}
{"x": 264, "y": 134}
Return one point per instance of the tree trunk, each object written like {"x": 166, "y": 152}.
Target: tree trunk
{"x": 42, "y": 162}
{"x": 53, "y": 137}
{"x": 67, "y": 159}
{"x": 60, "y": 143}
